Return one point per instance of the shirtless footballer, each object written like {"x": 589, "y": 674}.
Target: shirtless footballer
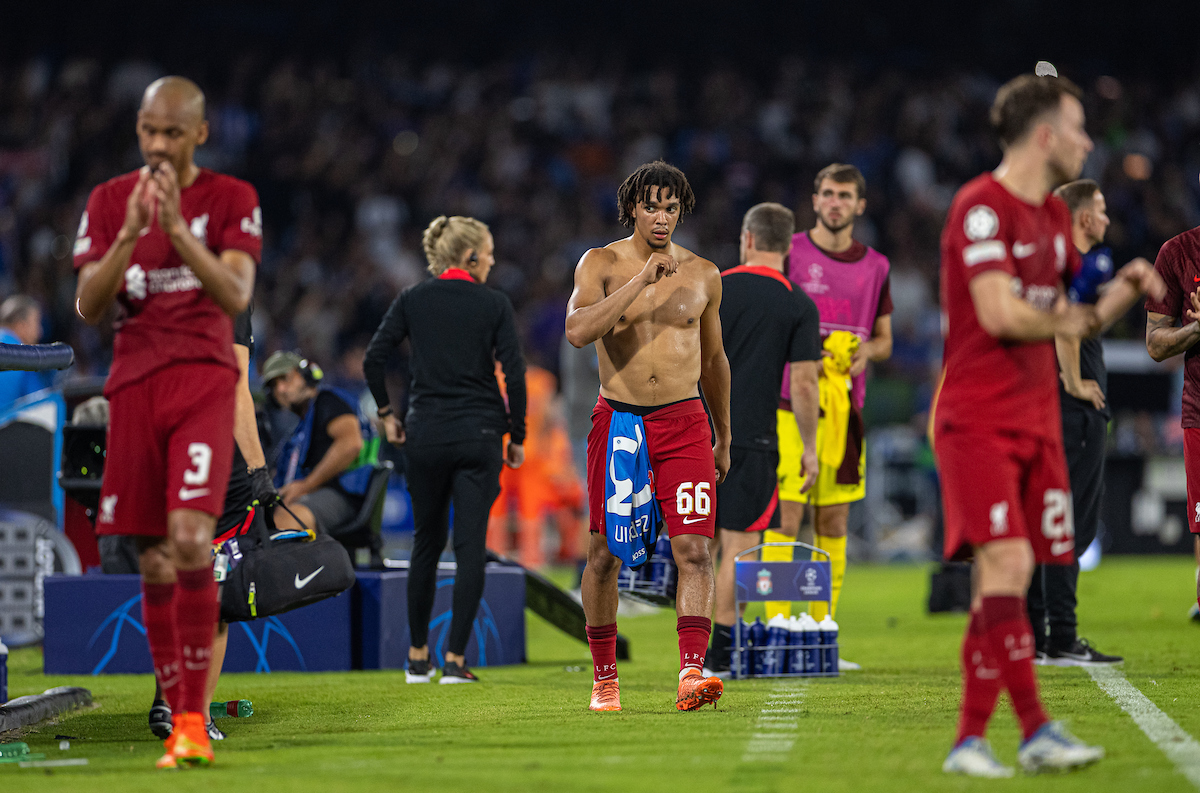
{"x": 652, "y": 308}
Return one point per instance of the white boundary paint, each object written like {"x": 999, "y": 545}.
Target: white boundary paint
{"x": 777, "y": 726}
{"x": 1179, "y": 747}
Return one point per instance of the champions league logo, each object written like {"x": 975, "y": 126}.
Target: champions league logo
{"x": 764, "y": 586}
{"x": 809, "y": 583}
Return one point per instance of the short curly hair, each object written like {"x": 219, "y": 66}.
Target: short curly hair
{"x": 638, "y": 185}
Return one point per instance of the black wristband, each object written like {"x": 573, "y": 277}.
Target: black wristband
{"x": 384, "y": 411}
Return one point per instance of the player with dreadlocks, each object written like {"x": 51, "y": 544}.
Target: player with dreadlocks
{"x": 652, "y": 308}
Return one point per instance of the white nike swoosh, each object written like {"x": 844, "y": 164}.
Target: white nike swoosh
{"x": 1021, "y": 251}
{"x": 692, "y": 520}
{"x": 186, "y": 494}
{"x": 303, "y": 582}
{"x": 610, "y": 677}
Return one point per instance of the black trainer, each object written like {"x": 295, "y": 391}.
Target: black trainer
{"x": 214, "y": 732}
{"x": 457, "y": 673}
{"x": 418, "y": 671}
{"x": 1081, "y": 653}
{"x": 160, "y": 719}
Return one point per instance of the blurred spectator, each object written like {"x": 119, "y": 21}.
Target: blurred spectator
{"x": 20, "y": 323}
{"x": 353, "y": 155}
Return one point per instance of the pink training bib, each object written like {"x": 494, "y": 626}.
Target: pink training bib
{"x": 846, "y": 294}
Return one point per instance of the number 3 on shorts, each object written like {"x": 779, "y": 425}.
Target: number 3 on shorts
{"x": 686, "y": 503}
{"x": 201, "y": 456}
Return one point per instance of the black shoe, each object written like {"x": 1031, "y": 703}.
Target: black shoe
{"x": 1081, "y": 653}
{"x": 456, "y": 673}
{"x": 214, "y": 732}
{"x": 418, "y": 671}
{"x": 160, "y": 719}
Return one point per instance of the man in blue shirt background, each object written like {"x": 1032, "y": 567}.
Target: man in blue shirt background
{"x": 20, "y": 323}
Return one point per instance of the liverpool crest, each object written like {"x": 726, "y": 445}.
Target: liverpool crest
{"x": 764, "y": 582}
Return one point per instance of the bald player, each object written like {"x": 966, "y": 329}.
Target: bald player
{"x": 175, "y": 246}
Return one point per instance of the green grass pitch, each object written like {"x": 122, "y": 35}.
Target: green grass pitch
{"x": 886, "y": 728}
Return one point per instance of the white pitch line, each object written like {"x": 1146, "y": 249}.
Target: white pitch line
{"x": 774, "y": 736}
{"x": 1179, "y": 747}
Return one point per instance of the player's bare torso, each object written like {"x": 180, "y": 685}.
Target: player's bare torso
{"x": 652, "y": 355}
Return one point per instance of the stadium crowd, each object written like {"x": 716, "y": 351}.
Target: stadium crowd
{"x": 352, "y": 158}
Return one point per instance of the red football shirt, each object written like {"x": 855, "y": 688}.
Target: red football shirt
{"x": 167, "y": 317}
{"x": 1178, "y": 263}
{"x": 987, "y": 383}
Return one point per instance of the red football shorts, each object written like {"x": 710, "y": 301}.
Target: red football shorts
{"x": 1003, "y": 486}
{"x": 1191, "y": 467}
{"x": 170, "y": 446}
{"x": 681, "y": 457}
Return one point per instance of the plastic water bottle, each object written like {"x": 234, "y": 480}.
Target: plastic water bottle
{"x": 829, "y": 645}
{"x": 777, "y": 637}
{"x": 3, "y": 673}
{"x": 740, "y": 654}
{"x": 795, "y": 656}
{"x": 661, "y": 565}
{"x": 811, "y": 636}
{"x": 234, "y": 708}
{"x": 758, "y": 640}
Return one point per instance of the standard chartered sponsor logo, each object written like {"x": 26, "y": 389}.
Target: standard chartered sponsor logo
{"x": 139, "y": 282}
{"x": 173, "y": 279}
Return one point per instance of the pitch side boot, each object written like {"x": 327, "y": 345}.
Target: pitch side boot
{"x": 696, "y": 690}
{"x": 1053, "y": 748}
{"x": 606, "y": 695}
{"x": 973, "y": 757}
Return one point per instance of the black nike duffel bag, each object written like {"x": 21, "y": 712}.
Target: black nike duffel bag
{"x": 274, "y": 576}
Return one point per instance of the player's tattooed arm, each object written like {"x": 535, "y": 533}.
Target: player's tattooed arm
{"x": 100, "y": 282}
{"x": 590, "y": 313}
{"x": 229, "y": 278}
{"x": 1133, "y": 280}
{"x": 1164, "y": 339}
{"x": 714, "y": 371}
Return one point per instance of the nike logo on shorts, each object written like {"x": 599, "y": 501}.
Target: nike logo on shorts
{"x": 303, "y": 582}
{"x": 1023, "y": 250}
{"x": 694, "y": 520}
{"x": 187, "y": 494}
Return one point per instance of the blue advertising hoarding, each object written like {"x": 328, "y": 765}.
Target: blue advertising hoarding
{"x": 782, "y": 581}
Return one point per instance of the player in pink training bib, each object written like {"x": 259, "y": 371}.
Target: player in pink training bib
{"x": 1006, "y": 258}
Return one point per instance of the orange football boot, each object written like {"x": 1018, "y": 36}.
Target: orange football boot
{"x": 192, "y": 746}
{"x": 696, "y": 690}
{"x": 606, "y": 695}
{"x": 167, "y": 761}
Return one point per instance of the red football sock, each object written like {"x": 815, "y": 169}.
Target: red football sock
{"x": 196, "y": 612}
{"x": 603, "y": 643}
{"x": 981, "y": 681}
{"x": 1010, "y": 637}
{"x": 158, "y": 616}
{"x": 693, "y": 641}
